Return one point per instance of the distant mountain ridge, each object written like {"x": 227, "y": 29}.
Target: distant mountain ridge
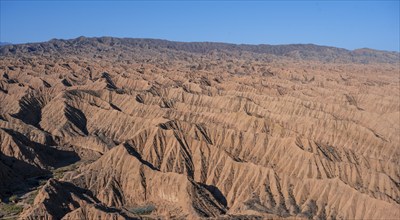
{"x": 295, "y": 51}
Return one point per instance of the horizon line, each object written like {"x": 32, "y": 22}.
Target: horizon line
{"x": 5, "y": 43}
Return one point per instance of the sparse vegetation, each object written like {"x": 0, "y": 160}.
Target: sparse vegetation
{"x": 59, "y": 172}
{"x": 142, "y": 210}
{"x": 8, "y": 209}
{"x": 42, "y": 182}
{"x": 13, "y": 198}
{"x": 32, "y": 197}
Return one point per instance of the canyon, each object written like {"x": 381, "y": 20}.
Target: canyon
{"x": 120, "y": 128}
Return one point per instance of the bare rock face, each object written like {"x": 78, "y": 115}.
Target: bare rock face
{"x": 58, "y": 200}
{"x": 108, "y": 128}
{"x": 130, "y": 182}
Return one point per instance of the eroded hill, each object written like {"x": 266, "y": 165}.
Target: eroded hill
{"x": 130, "y": 128}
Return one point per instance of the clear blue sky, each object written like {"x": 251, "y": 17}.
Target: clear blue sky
{"x": 358, "y": 24}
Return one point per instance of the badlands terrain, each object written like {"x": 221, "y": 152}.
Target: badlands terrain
{"x": 110, "y": 128}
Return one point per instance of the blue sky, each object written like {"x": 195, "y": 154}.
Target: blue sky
{"x": 358, "y": 24}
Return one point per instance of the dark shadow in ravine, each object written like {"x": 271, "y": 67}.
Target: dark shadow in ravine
{"x": 27, "y": 174}
{"x": 134, "y": 153}
{"x": 46, "y": 153}
{"x": 77, "y": 117}
{"x": 216, "y": 193}
{"x": 30, "y": 110}
{"x": 19, "y": 175}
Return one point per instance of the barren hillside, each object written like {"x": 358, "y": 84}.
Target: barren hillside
{"x": 109, "y": 128}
